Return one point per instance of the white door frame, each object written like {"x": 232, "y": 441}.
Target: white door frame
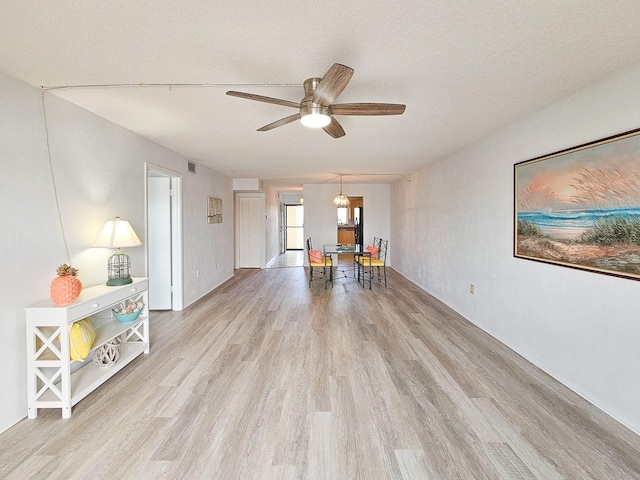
{"x": 177, "y": 274}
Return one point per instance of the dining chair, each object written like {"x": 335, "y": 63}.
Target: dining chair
{"x": 375, "y": 263}
{"x": 369, "y": 248}
{"x": 319, "y": 263}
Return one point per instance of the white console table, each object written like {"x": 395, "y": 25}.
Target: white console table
{"x": 51, "y": 382}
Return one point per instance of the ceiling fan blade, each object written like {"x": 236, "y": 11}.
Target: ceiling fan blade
{"x": 334, "y": 129}
{"x": 332, "y": 84}
{"x": 367, "y": 109}
{"x": 279, "y": 123}
{"x": 260, "y": 98}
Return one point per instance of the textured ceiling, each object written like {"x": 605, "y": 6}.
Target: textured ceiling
{"x": 465, "y": 69}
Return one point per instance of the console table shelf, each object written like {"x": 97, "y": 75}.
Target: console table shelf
{"x": 51, "y": 382}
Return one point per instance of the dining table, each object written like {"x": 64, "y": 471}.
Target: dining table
{"x": 339, "y": 249}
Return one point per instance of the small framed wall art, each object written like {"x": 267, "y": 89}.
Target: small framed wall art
{"x": 214, "y": 210}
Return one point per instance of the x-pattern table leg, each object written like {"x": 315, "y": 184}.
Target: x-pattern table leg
{"x": 48, "y": 383}
{"x": 47, "y": 343}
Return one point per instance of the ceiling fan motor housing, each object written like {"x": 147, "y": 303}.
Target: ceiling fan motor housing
{"x": 321, "y": 114}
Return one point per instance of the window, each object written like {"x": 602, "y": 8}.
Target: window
{"x": 343, "y": 215}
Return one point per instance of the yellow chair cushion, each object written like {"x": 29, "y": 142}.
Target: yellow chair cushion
{"x": 376, "y": 263}
{"x": 366, "y": 261}
{"x": 81, "y": 338}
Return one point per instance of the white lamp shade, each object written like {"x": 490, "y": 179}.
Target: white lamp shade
{"x": 117, "y": 234}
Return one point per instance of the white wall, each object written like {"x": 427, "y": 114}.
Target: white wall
{"x": 99, "y": 173}
{"x": 320, "y": 217}
{"x": 453, "y": 226}
{"x": 208, "y": 247}
{"x": 246, "y": 184}
{"x": 290, "y": 198}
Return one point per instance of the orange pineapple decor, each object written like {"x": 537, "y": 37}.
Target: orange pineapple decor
{"x": 66, "y": 287}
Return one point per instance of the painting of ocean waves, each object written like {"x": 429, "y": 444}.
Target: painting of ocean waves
{"x": 570, "y": 224}
{"x": 580, "y": 207}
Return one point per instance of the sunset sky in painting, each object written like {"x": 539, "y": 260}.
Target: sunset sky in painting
{"x": 601, "y": 177}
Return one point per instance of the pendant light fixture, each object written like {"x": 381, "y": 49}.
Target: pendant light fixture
{"x": 341, "y": 201}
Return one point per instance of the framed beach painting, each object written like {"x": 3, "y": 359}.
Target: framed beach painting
{"x": 580, "y": 207}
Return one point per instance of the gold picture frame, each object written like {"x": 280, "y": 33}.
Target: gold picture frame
{"x": 580, "y": 207}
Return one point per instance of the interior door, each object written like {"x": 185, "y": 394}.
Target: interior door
{"x": 159, "y": 242}
{"x": 249, "y": 234}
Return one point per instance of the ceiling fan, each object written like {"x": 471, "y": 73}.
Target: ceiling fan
{"x": 317, "y": 108}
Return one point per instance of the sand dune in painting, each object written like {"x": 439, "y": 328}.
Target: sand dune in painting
{"x": 624, "y": 258}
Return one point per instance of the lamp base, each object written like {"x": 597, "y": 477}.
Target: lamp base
{"x": 113, "y": 282}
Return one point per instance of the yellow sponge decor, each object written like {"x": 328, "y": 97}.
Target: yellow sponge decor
{"x": 81, "y": 338}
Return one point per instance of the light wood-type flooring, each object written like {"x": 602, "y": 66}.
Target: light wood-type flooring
{"x": 265, "y": 378}
{"x": 290, "y": 258}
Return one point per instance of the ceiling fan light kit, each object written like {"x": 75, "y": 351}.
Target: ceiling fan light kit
{"x": 316, "y": 109}
{"x": 314, "y": 117}
{"x": 312, "y": 114}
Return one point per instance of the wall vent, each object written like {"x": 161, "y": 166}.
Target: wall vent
{"x": 191, "y": 166}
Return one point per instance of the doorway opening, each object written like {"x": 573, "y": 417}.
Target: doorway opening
{"x": 164, "y": 238}
{"x": 351, "y": 222}
{"x": 294, "y": 227}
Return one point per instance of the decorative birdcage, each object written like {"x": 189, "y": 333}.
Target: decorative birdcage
{"x": 118, "y": 267}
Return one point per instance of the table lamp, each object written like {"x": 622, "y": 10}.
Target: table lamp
{"x": 118, "y": 234}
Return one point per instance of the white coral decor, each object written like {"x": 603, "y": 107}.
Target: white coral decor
{"x": 108, "y": 354}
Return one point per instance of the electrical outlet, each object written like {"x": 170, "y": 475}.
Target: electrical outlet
{"x": 471, "y": 288}
{"x": 197, "y": 273}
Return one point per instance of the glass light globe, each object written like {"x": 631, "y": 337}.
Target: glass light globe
{"x": 315, "y": 120}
